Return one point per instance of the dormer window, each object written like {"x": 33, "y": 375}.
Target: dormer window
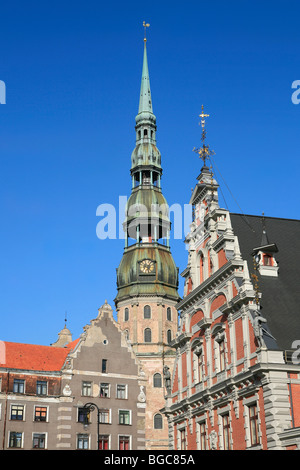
{"x": 266, "y": 263}
{"x": 267, "y": 260}
{"x": 264, "y": 256}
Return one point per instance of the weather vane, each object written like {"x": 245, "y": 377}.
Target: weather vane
{"x": 146, "y": 25}
{"x": 204, "y": 152}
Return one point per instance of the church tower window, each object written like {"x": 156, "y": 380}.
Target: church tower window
{"x": 158, "y": 422}
{"x": 169, "y": 336}
{"x": 169, "y": 314}
{"x": 126, "y": 314}
{"x": 147, "y": 335}
{"x": 147, "y": 311}
{"x": 157, "y": 380}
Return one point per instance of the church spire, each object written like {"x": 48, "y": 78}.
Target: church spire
{"x": 145, "y": 104}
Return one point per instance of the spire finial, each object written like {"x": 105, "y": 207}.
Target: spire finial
{"x": 146, "y": 25}
{"x": 204, "y": 152}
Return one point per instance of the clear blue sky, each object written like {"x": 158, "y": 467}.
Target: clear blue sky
{"x": 72, "y": 72}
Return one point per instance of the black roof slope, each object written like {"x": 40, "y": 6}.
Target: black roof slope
{"x": 280, "y": 299}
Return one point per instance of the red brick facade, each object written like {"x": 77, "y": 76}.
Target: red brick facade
{"x": 229, "y": 390}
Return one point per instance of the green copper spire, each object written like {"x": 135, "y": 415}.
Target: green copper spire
{"x": 145, "y": 94}
{"x": 147, "y": 222}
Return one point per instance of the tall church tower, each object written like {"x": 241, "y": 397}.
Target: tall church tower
{"x": 147, "y": 277}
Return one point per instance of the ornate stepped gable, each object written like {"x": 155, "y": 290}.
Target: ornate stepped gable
{"x": 52, "y": 384}
{"x": 229, "y": 386}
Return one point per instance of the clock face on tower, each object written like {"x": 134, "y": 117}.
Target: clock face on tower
{"x": 147, "y": 266}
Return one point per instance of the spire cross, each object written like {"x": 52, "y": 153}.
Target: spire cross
{"x": 202, "y": 115}
{"x": 204, "y": 152}
{"x": 146, "y": 25}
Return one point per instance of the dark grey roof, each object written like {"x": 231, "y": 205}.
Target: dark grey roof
{"x": 280, "y": 299}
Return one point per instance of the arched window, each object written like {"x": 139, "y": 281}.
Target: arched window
{"x": 201, "y": 268}
{"x": 126, "y": 314}
{"x": 169, "y": 314}
{"x": 147, "y": 335}
{"x": 158, "y": 422}
{"x": 147, "y": 311}
{"x": 198, "y": 363}
{"x": 169, "y": 336}
{"x": 127, "y": 334}
{"x": 157, "y": 380}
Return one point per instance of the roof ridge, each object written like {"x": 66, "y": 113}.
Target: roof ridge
{"x": 265, "y": 216}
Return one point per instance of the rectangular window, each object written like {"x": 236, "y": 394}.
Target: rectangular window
{"x": 226, "y": 432}
{"x": 82, "y": 441}
{"x": 103, "y": 442}
{"x": 38, "y": 441}
{"x": 41, "y": 387}
{"x": 182, "y": 439}
{"x": 254, "y": 431}
{"x": 86, "y": 389}
{"x": 124, "y": 442}
{"x": 202, "y": 430}
{"x": 104, "y": 366}
{"x": 15, "y": 439}
{"x": 40, "y": 413}
{"x": 124, "y": 417}
{"x": 104, "y": 416}
{"x": 121, "y": 391}
{"x": 104, "y": 390}
{"x": 17, "y": 412}
{"x": 83, "y": 415}
{"x": 19, "y": 386}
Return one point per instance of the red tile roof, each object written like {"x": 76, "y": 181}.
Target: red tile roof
{"x": 33, "y": 357}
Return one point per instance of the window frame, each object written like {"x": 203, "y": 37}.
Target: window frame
{"x": 19, "y": 384}
{"x": 86, "y": 385}
{"x": 39, "y": 435}
{"x": 18, "y": 408}
{"x": 148, "y": 314}
{"x": 18, "y": 436}
{"x": 157, "y": 380}
{"x": 122, "y": 415}
{"x": 43, "y": 414}
{"x": 147, "y": 335}
{"x": 106, "y": 414}
{"x": 226, "y": 431}
{"x": 161, "y": 421}
{"x": 169, "y": 314}
{"x": 104, "y": 365}
{"x": 122, "y": 391}
{"x": 126, "y": 439}
{"x": 104, "y": 386}
{"x": 106, "y": 439}
{"x": 126, "y": 314}
{"x": 83, "y": 415}
{"x": 84, "y": 438}
{"x": 255, "y": 419}
{"x": 42, "y": 388}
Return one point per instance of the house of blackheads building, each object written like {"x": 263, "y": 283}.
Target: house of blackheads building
{"x": 216, "y": 368}
{"x": 236, "y": 382}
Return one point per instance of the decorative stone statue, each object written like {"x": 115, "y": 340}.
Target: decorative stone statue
{"x": 258, "y": 319}
{"x": 167, "y": 377}
{"x": 213, "y": 439}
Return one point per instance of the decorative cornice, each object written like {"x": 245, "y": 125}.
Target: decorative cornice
{"x": 209, "y": 284}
